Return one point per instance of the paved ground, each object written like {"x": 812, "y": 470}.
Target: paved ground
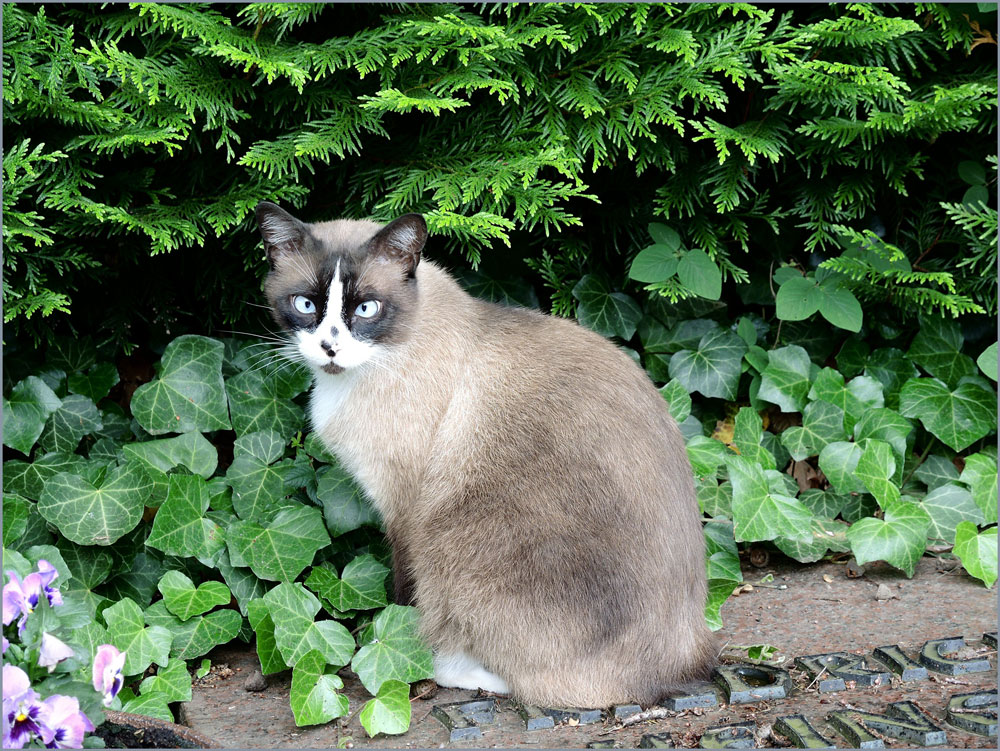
{"x": 819, "y": 610}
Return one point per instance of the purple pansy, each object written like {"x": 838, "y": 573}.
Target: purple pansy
{"x": 52, "y": 652}
{"x": 63, "y": 724}
{"x": 5, "y": 644}
{"x": 21, "y": 709}
{"x": 21, "y": 598}
{"x": 107, "y": 672}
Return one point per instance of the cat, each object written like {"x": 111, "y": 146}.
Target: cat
{"x": 534, "y": 488}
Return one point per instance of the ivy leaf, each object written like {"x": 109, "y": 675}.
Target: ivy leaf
{"x": 885, "y": 425}
{"x": 15, "y": 518}
{"x": 258, "y": 487}
{"x": 936, "y": 471}
{"x": 389, "y": 712}
{"x": 267, "y": 648}
{"x": 76, "y": 417}
{"x": 96, "y": 513}
{"x": 265, "y": 445}
{"x": 241, "y": 581}
{"x": 314, "y": 696}
{"x": 180, "y": 527}
{"x": 28, "y": 479}
{"x": 892, "y": 369}
{"x": 947, "y": 506}
{"x": 142, "y": 646}
{"x": 714, "y": 499}
{"x": 344, "y": 508}
{"x": 785, "y": 380}
{"x": 184, "y": 600}
{"x": 797, "y": 299}
{"x": 137, "y": 581}
{"x": 824, "y": 504}
{"x": 198, "y": 635}
{"x": 189, "y": 394}
{"x": 25, "y": 412}
{"x": 876, "y": 466}
{"x": 722, "y": 555}
{"x": 980, "y": 475}
{"x": 719, "y": 591}
{"x": 280, "y": 550}
{"x": 899, "y": 539}
{"x": 261, "y": 402}
{"x": 713, "y": 369}
{"x": 839, "y": 462}
{"x": 361, "y": 585}
{"x": 977, "y": 551}
{"x": 822, "y": 424}
{"x": 150, "y": 705}
{"x": 706, "y": 455}
{"x": 606, "y": 312}
{"x": 90, "y": 565}
{"x": 292, "y": 609}
{"x": 748, "y": 436}
{"x": 653, "y": 264}
{"x": 700, "y": 275}
{"x": 191, "y": 450}
{"x": 987, "y": 361}
{"x": 857, "y": 396}
{"x": 937, "y": 349}
{"x": 759, "y": 513}
{"x": 959, "y": 417}
{"x": 396, "y": 652}
{"x": 96, "y": 383}
{"x": 678, "y": 399}
{"x": 827, "y": 534}
{"x": 172, "y": 683}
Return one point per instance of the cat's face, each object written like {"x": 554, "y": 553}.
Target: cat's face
{"x": 343, "y": 290}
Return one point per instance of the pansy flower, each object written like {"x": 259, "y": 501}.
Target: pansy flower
{"x": 53, "y": 652}
{"x": 107, "y": 672}
{"x": 21, "y": 709}
{"x": 63, "y": 724}
{"x": 21, "y": 598}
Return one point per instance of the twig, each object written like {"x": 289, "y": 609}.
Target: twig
{"x": 818, "y": 676}
{"x": 658, "y": 713}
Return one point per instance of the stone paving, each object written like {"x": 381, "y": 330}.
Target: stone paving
{"x": 871, "y": 661}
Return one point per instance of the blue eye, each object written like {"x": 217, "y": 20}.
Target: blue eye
{"x": 367, "y": 309}
{"x": 303, "y": 305}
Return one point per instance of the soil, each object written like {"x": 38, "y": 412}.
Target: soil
{"x": 820, "y": 609}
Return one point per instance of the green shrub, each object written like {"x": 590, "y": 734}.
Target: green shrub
{"x": 785, "y": 214}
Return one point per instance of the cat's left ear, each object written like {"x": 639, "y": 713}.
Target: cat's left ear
{"x": 283, "y": 234}
{"x": 401, "y": 241}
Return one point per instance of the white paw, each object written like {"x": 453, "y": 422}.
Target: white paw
{"x": 461, "y": 671}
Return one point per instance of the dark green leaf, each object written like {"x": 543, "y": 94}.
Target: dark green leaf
{"x": 25, "y": 412}
{"x": 785, "y": 381}
{"x": 713, "y": 369}
{"x": 699, "y": 274}
{"x": 654, "y": 264}
{"x": 898, "y": 539}
{"x": 797, "y": 299}
{"x": 959, "y": 416}
{"x": 606, "y": 312}
{"x": 977, "y": 551}
{"x": 396, "y": 653}
{"x": 279, "y": 550}
{"x": 189, "y": 393}
{"x": 96, "y": 383}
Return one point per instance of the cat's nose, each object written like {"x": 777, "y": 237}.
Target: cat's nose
{"x": 327, "y": 348}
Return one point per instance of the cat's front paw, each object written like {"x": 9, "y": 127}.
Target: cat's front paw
{"x": 458, "y": 670}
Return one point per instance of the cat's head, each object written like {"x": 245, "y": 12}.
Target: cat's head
{"x": 343, "y": 290}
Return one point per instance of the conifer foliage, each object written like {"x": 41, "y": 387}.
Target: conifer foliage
{"x": 552, "y": 133}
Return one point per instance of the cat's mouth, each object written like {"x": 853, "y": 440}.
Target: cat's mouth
{"x": 332, "y": 368}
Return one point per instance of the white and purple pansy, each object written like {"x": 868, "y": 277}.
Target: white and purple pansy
{"x": 53, "y": 651}
{"x": 63, "y": 724}
{"x": 107, "y": 672}
{"x": 20, "y": 598}
{"x": 21, "y": 709}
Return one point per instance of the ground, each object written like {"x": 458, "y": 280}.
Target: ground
{"x": 804, "y": 610}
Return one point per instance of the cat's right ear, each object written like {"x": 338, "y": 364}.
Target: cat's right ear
{"x": 283, "y": 234}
